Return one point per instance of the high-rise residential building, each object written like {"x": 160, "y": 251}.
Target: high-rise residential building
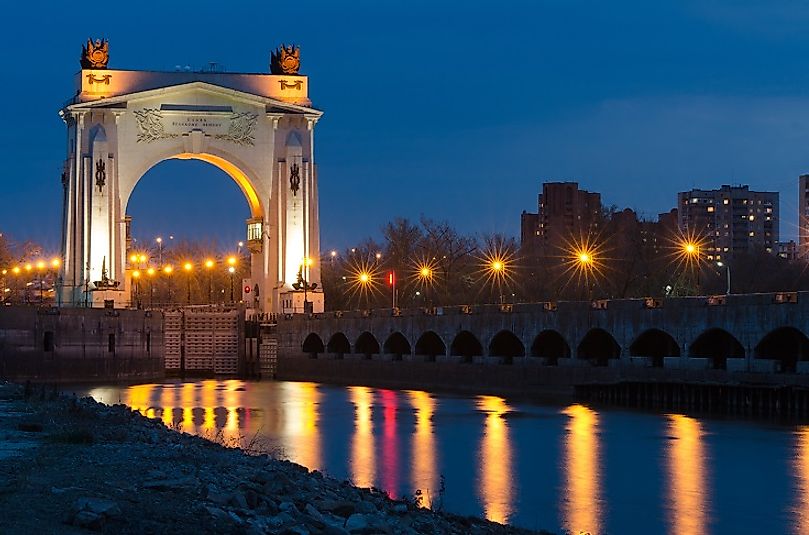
{"x": 564, "y": 213}
{"x": 731, "y": 219}
{"x": 803, "y": 216}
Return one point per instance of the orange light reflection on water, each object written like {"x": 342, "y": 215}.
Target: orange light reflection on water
{"x": 495, "y": 481}
{"x": 687, "y": 482}
{"x": 423, "y": 471}
{"x": 390, "y": 453}
{"x": 139, "y": 398}
{"x": 581, "y": 498}
{"x": 800, "y": 465}
{"x": 363, "y": 454}
{"x": 301, "y": 416}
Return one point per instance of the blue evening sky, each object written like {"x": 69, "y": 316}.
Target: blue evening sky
{"x": 456, "y": 111}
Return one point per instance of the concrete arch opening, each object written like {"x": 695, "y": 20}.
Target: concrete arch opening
{"x": 717, "y": 345}
{"x": 396, "y": 345}
{"x": 506, "y": 344}
{"x": 599, "y": 347}
{"x": 313, "y": 345}
{"x": 655, "y": 344}
{"x": 366, "y": 345}
{"x": 787, "y": 345}
{"x": 338, "y": 345}
{"x": 551, "y": 346}
{"x": 430, "y": 345}
{"x": 466, "y": 345}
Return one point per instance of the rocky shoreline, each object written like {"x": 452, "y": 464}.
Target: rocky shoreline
{"x": 73, "y": 465}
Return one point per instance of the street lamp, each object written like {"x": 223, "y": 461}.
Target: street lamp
{"x": 135, "y": 287}
{"x": 690, "y": 251}
{"x": 188, "y": 267}
{"x": 159, "y": 241}
{"x": 209, "y": 265}
{"x": 151, "y": 272}
{"x": 168, "y": 270}
{"x": 231, "y": 270}
{"x": 727, "y": 267}
{"x": 40, "y": 271}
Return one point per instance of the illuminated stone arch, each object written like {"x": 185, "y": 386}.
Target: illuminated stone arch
{"x": 257, "y": 128}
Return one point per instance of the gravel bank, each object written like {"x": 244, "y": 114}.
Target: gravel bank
{"x": 69, "y": 466}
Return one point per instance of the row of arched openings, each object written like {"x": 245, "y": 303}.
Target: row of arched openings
{"x": 787, "y": 345}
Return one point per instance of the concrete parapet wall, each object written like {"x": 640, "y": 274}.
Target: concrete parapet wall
{"x": 679, "y": 323}
{"x": 80, "y": 344}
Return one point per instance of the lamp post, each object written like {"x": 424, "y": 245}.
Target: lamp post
{"x": 135, "y": 287}
{"x": 40, "y": 273}
{"x": 425, "y": 275}
{"x": 209, "y": 266}
{"x": 727, "y": 268}
{"x": 168, "y": 270}
{"x": 188, "y": 267}
{"x": 586, "y": 260}
{"x": 497, "y": 269}
{"x": 159, "y": 241}
{"x": 151, "y": 273}
{"x": 231, "y": 270}
{"x": 691, "y": 253}
{"x": 28, "y": 269}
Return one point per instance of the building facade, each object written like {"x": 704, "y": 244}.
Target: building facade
{"x": 565, "y": 213}
{"x": 729, "y": 220}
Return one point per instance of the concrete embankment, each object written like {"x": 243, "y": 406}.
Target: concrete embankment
{"x": 68, "y": 466}
{"x": 80, "y": 344}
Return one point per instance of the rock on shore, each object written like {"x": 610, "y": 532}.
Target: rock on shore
{"x": 69, "y": 466}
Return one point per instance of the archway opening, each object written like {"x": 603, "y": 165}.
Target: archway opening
{"x": 396, "y": 345}
{"x": 338, "y": 345}
{"x": 716, "y": 345}
{"x": 599, "y": 347}
{"x": 655, "y": 344}
{"x": 466, "y": 345}
{"x": 366, "y": 345}
{"x": 169, "y": 223}
{"x": 551, "y": 346}
{"x": 506, "y": 344}
{"x": 787, "y": 345}
{"x": 430, "y": 345}
{"x": 313, "y": 345}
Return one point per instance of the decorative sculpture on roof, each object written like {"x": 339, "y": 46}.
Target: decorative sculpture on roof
{"x": 94, "y": 55}
{"x": 285, "y": 60}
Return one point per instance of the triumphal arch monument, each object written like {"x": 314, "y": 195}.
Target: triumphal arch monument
{"x": 256, "y": 127}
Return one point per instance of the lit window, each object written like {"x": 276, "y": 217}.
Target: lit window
{"x": 719, "y": 257}
{"x": 752, "y": 233}
{"x": 752, "y": 218}
{"x": 725, "y": 201}
{"x": 710, "y": 208}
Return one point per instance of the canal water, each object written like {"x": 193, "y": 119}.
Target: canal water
{"x": 570, "y": 468}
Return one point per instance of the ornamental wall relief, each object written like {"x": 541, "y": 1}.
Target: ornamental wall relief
{"x": 238, "y": 128}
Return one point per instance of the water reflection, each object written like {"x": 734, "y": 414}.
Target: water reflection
{"x": 688, "y": 495}
{"x": 581, "y": 497}
{"x": 301, "y": 434}
{"x": 423, "y": 468}
{"x": 363, "y": 455}
{"x": 801, "y": 470}
{"x": 390, "y": 446}
{"x": 495, "y": 482}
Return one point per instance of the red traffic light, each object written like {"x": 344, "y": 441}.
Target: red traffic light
{"x": 247, "y": 289}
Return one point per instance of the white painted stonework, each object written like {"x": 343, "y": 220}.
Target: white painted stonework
{"x": 258, "y": 128}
